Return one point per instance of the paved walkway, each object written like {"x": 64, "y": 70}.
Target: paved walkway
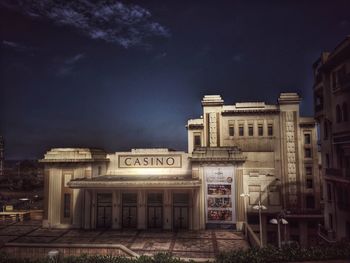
{"x": 184, "y": 244}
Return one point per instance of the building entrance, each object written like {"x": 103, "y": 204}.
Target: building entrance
{"x": 104, "y": 211}
{"x": 180, "y": 210}
{"x": 155, "y": 210}
{"x": 129, "y": 211}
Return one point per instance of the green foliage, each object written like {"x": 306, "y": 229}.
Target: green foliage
{"x": 253, "y": 255}
{"x": 286, "y": 254}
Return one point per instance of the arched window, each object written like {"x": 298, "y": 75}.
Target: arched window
{"x": 338, "y": 113}
{"x": 345, "y": 111}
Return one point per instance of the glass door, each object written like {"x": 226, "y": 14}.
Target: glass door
{"x": 104, "y": 211}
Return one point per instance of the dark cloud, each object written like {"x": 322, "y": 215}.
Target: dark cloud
{"x": 111, "y": 21}
{"x": 15, "y": 46}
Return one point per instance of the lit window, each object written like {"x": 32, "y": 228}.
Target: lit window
{"x": 260, "y": 130}
{"x": 270, "y": 130}
{"x": 250, "y": 130}
{"x": 66, "y": 208}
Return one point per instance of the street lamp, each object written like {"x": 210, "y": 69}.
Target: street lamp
{"x": 260, "y": 207}
{"x": 280, "y": 220}
{"x": 245, "y": 196}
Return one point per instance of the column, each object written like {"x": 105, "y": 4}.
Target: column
{"x": 116, "y": 210}
{"x": 167, "y": 220}
{"x": 141, "y": 209}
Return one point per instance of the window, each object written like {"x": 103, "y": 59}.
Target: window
{"x": 260, "y": 130}
{"x": 327, "y": 161}
{"x": 330, "y": 221}
{"x": 308, "y": 170}
{"x": 197, "y": 141}
{"x": 309, "y": 183}
{"x": 250, "y": 130}
{"x": 307, "y": 138}
{"x": 270, "y": 130}
{"x": 345, "y": 111}
{"x": 325, "y": 131}
{"x": 241, "y": 130}
{"x": 338, "y": 114}
{"x": 99, "y": 170}
{"x": 231, "y": 130}
{"x": 329, "y": 193}
{"x": 310, "y": 202}
{"x": 66, "y": 208}
{"x": 307, "y": 153}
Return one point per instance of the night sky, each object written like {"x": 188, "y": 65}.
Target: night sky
{"x": 128, "y": 74}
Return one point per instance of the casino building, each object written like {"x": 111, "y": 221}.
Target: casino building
{"x": 266, "y": 151}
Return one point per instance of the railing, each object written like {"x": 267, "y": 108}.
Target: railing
{"x": 252, "y": 238}
{"x": 327, "y": 235}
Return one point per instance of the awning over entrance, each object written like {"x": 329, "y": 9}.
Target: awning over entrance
{"x": 125, "y": 182}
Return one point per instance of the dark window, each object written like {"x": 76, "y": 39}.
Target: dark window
{"x": 345, "y": 111}
{"x": 66, "y": 208}
{"x": 310, "y": 202}
{"x": 311, "y": 224}
{"x": 330, "y": 220}
{"x": 338, "y": 114}
{"x": 253, "y": 219}
{"x": 231, "y": 130}
{"x": 329, "y": 192}
{"x": 250, "y": 130}
{"x": 241, "y": 130}
{"x": 307, "y": 153}
{"x": 293, "y": 223}
{"x": 270, "y": 130}
{"x": 260, "y": 130}
{"x": 309, "y": 183}
{"x": 99, "y": 170}
{"x": 327, "y": 161}
{"x": 197, "y": 141}
{"x": 307, "y": 138}
{"x": 308, "y": 170}
{"x": 325, "y": 130}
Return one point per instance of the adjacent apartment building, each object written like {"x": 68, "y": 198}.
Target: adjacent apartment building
{"x": 332, "y": 112}
{"x": 266, "y": 151}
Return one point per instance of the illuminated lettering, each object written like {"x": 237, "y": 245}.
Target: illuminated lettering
{"x": 126, "y": 161}
{"x": 159, "y": 161}
{"x": 170, "y": 161}
{"x": 150, "y": 161}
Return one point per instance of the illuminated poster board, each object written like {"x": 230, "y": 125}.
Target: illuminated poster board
{"x": 219, "y": 195}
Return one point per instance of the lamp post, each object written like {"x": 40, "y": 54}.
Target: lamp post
{"x": 245, "y": 196}
{"x": 278, "y": 221}
{"x": 260, "y": 207}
